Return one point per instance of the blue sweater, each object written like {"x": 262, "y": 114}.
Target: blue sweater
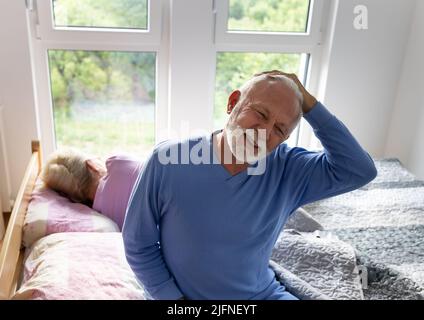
{"x": 196, "y": 231}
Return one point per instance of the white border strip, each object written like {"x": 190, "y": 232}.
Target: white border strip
{"x": 4, "y": 194}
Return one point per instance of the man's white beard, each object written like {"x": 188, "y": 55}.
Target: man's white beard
{"x": 243, "y": 151}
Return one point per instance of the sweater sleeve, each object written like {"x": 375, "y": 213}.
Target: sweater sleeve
{"x": 342, "y": 167}
{"x": 141, "y": 235}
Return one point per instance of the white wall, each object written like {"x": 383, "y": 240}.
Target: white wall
{"x": 16, "y": 92}
{"x": 364, "y": 68}
{"x": 406, "y": 135}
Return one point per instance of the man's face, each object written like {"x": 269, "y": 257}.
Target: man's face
{"x": 269, "y": 105}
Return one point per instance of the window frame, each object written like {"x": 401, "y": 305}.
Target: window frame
{"x": 44, "y": 37}
{"x": 309, "y": 42}
{"x": 171, "y": 106}
{"x": 290, "y": 40}
{"x": 48, "y": 31}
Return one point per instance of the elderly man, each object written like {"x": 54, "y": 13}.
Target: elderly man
{"x": 206, "y": 230}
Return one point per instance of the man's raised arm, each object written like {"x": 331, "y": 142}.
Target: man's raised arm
{"x": 343, "y": 166}
{"x": 141, "y": 235}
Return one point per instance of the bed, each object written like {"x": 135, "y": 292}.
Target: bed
{"x": 54, "y": 249}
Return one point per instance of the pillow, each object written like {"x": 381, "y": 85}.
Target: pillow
{"x": 302, "y": 221}
{"x": 79, "y": 266}
{"x": 48, "y": 213}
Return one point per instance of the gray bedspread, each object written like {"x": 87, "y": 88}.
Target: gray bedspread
{"x": 316, "y": 266}
{"x": 384, "y": 222}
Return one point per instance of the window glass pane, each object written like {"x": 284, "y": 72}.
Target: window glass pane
{"x": 127, "y": 14}
{"x": 268, "y": 15}
{"x": 235, "y": 68}
{"x": 103, "y": 101}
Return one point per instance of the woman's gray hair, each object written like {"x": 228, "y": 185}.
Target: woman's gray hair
{"x": 66, "y": 172}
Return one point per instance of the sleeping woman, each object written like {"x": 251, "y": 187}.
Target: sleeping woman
{"x": 104, "y": 186}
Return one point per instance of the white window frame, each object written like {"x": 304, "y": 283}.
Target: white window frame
{"x": 175, "y": 21}
{"x": 44, "y": 36}
{"x": 290, "y": 40}
{"x": 309, "y": 42}
{"x": 48, "y": 31}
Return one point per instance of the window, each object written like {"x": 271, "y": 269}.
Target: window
{"x": 253, "y": 36}
{"x": 126, "y": 14}
{"x": 269, "y": 16}
{"x": 98, "y": 63}
{"x": 103, "y": 101}
{"x": 110, "y": 75}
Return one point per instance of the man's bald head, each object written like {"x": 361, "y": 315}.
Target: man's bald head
{"x": 272, "y": 82}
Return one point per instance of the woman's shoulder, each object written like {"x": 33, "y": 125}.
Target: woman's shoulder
{"x": 122, "y": 160}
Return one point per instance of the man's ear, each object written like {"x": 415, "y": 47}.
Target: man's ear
{"x": 232, "y": 100}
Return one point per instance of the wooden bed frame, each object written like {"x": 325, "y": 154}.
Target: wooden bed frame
{"x": 11, "y": 254}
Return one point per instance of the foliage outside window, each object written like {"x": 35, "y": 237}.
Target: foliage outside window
{"x": 101, "y": 13}
{"x": 103, "y": 101}
{"x": 268, "y": 15}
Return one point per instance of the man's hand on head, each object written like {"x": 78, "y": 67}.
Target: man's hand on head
{"x": 309, "y": 100}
